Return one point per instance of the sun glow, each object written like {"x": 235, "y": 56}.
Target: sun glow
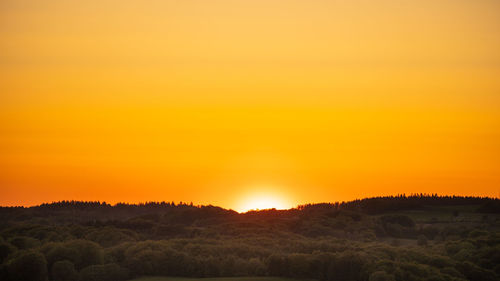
{"x": 263, "y": 201}
{"x": 247, "y": 104}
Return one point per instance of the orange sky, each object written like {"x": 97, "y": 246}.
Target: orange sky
{"x": 219, "y": 101}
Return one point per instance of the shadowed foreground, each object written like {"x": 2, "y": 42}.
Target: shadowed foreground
{"x": 215, "y": 279}
{"x": 392, "y": 238}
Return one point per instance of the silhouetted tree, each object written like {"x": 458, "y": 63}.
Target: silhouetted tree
{"x": 29, "y": 265}
{"x": 63, "y": 271}
{"x": 5, "y": 250}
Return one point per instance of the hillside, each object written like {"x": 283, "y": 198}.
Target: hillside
{"x": 387, "y": 238}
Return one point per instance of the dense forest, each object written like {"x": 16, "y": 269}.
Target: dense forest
{"x": 403, "y": 238}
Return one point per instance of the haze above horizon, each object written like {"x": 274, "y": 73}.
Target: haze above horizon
{"x": 247, "y": 103}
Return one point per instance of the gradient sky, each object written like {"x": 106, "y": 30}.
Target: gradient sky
{"x": 219, "y": 101}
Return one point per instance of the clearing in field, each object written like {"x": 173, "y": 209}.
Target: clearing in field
{"x": 216, "y": 279}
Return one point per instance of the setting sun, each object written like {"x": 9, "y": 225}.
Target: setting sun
{"x": 263, "y": 201}
{"x": 263, "y": 140}
{"x": 182, "y": 100}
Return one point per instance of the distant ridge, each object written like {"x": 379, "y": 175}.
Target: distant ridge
{"x": 372, "y": 205}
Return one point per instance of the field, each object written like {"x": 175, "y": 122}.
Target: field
{"x": 216, "y": 279}
{"x": 445, "y": 214}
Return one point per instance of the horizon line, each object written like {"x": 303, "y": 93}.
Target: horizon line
{"x": 298, "y": 206}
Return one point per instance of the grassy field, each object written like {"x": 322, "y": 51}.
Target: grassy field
{"x": 444, "y": 214}
{"x": 215, "y": 279}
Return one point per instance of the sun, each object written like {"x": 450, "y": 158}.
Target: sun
{"x": 263, "y": 202}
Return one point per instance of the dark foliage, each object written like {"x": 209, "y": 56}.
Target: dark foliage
{"x": 396, "y": 238}
{"x": 28, "y": 265}
{"x": 63, "y": 271}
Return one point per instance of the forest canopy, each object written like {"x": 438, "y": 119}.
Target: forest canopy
{"x": 418, "y": 237}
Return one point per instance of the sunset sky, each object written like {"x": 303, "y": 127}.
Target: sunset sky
{"x": 225, "y": 101}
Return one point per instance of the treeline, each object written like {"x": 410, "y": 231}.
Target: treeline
{"x": 73, "y": 211}
{"x": 453, "y": 238}
{"x": 377, "y": 205}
